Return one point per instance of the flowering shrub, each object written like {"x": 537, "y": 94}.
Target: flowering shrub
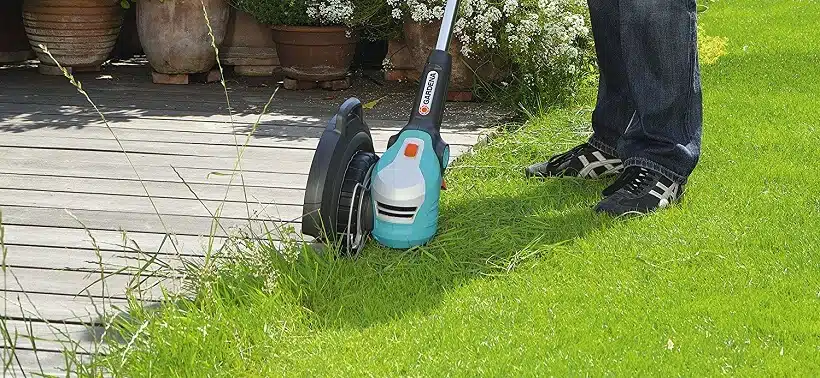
{"x": 300, "y": 12}
{"x": 545, "y": 41}
{"x": 370, "y": 17}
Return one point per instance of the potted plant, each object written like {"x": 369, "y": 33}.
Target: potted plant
{"x": 315, "y": 39}
{"x": 421, "y": 21}
{"x": 80, "y": 34}
{"x": 542, "y": 45}
{"x": 248, "y": 45}
{"x": 175, "y": 37}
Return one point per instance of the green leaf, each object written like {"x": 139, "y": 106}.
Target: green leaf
{"x": 372, "y": 104}
{"x": 215, "y": 173}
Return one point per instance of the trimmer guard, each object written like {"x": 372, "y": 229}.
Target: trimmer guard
{"x": 345, "y": 143}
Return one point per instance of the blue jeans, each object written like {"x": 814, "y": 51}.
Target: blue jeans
{"x": 649, "y": 110}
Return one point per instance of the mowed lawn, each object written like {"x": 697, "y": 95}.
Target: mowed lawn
{"x": 525, "y": 280}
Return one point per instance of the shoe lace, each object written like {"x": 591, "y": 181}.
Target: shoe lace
{"x": 634, "y": 180}
{"x": 561, "y": 158}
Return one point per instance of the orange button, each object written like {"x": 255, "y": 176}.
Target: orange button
{"x": 411, "y": 150}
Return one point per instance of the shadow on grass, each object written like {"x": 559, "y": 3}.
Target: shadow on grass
{"x": 480, "y": 237}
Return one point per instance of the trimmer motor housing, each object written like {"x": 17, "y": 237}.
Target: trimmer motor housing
{"x": 353, "y": 193}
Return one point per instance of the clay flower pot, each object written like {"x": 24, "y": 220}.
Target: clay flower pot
{"x": 174, "y": 34}
{"x": 420, "y": 39}
{"x": 14, "y": 46}
{"x": 315, "y": 54}
{"x": 79, "y": 33}
{"x": 249, "y": 46}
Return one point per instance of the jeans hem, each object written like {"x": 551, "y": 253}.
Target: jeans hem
{"x": 602, "y": 146}
{"x": 651, "y": 165}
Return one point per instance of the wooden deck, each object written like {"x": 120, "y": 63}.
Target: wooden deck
{"x": 63, "y": 175}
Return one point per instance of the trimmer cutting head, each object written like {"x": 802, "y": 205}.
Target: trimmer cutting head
{"x": 401, "y": 209}
{"x": 337, "y": 201}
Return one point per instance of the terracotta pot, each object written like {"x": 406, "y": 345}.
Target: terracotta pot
{"x": 249, "y": 46}
{"x": 79, "y": 33}
{"x": 400, "y": 62}
{"x": 315, "y": 53}
{"x": 174, "y": 34}
{"x": 420, "y": 39}
{"x": 14, "y": 46}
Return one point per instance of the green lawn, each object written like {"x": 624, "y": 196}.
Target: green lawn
{"x": 525, "y": 280}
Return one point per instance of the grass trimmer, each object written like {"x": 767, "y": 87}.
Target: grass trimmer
{"x": 352, "y": 193}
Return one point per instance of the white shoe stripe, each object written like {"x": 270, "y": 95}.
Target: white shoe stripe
{"x": 588, "y": 169}
{"x": 669, "y": 193}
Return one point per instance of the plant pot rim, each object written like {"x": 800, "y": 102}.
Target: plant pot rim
{"x": 311, "y": 29}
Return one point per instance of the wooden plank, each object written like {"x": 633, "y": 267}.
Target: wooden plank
{"x": 208, "y": 192}
{"x": 295, "y": 161}
{"x": 17, "y": 110}
{"x": 47, "y": 336}
{"x": 59, "y": 110}
{"x": 182, "y": 130}
{"x": 61, "y": 308}
{"x": 173, "y": 140}
{"x": 132, "y": 222}
{"x": 88, "y": 260}
{"x": 269, "y": 153}
{"x": 135, "y": 204}
{"x": 111, "y": 241}
{"x": 45, "y": 166}
{"x": 63, "y": 282}
{"x": 44, "y": 363}
{"x": 280, "y": 161}
{"x": 213, "y": 96}
{"x": 195, "y": 102}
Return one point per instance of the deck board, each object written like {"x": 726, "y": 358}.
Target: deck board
{"x": 82, "y": 259}
{"x": 287, "y": 137}
{"x": 135, "y": 188}
{"x": 126, "y": 221}
{"x": 34, "y": 307}
{"x": 75, "y": 237}
{"x": 58, "y": 159}
{"x": 44, "y": 166}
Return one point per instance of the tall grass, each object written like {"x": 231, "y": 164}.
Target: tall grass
{"x": 120, "y": 333}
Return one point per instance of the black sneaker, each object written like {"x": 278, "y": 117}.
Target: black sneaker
{"x": 583, "y": 161}
{"x": 639, "y": 190}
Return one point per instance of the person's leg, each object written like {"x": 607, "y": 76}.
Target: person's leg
{"x": 613, "y": 109}
{"x": 661, "y": 144}
{"x": 598, "y": 157}
{"x": 660, "y": 49}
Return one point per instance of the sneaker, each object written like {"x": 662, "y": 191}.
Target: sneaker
{"x": 639, "y": 190}
{"x": 583, "y": 161}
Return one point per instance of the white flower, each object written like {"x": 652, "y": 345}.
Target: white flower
{"x": 334, "y": 12}
{"x": 510, "y": 6}
{"x": 538, "y": 36}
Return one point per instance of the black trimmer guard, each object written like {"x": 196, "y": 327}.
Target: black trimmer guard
{"x": 342, "y": 160}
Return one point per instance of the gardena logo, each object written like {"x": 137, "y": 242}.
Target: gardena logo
{"x": 429, "y": 93}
